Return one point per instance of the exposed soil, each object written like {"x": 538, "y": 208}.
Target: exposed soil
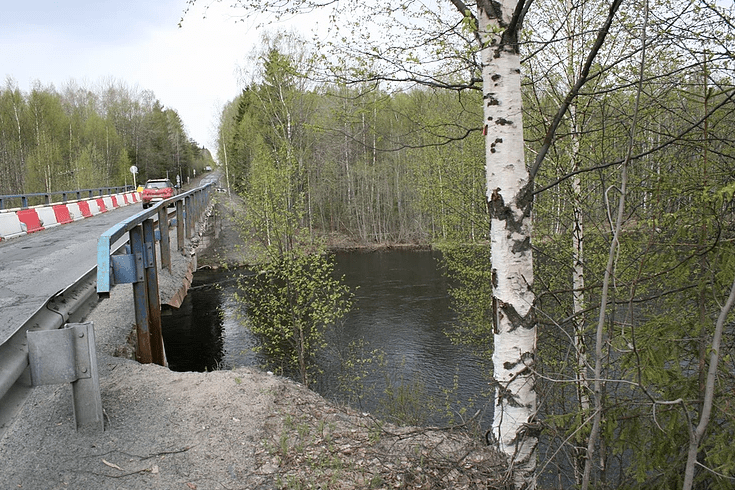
{"x": 238, "y": 429}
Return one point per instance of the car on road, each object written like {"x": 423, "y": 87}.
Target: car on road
{"x": 156, "y": 190}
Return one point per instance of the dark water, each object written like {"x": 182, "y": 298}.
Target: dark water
{"x": 205, "y": 333}
{"x": 401, "y": 310}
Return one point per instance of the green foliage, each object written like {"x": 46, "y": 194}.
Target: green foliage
{"x": 356, "y": 160}
{"x": 356, "y": 364}
{"x": 289, "y": 303}
{"x": 469, "y": 269}
{"x": 405, "y": 399}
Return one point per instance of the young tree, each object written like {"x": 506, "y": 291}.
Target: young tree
{"x": 289, "y": 304}
{"x": 294, "y": 297}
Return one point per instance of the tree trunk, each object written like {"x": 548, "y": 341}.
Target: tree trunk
{"x": 697, "y": 434}
{"x": 509, "y": 202}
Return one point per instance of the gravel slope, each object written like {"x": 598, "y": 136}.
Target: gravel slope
{"x": 239, "y": 429}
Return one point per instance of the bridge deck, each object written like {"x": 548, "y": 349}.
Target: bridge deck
{"x": 35, "y": 267}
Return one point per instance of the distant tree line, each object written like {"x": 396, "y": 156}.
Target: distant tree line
{"x": 356, "y": 160}
{"x": 82, "y": 137}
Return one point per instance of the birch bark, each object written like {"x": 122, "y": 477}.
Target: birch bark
{"x": 509, "y": 201}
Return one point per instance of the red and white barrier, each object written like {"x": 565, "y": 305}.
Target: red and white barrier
{"x": 47, "y": 217}
{"x": 14, "y": 223}
{"x": 84, "y": 209}
{"x": 63, "y": 213}
{"x": 75, "y": 212}
{"x": 101, "y": 206}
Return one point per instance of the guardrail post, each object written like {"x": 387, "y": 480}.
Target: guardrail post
{"x": 158, "y": 353}
{"x": 180, "y": 226}
{"x": 145, "y": 295}
{"x": 140, "y": 297}
{"x": 68, "y": 355}
{"x": 165, "y": 242}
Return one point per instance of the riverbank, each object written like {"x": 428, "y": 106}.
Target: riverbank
{"x": 236, "y": 429}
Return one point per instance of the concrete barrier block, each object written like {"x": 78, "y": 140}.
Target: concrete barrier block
{"x": 107, "y": 200}
{"x": 94, "y": 208}
{"x": 84, "y": 209}
{"x": 101, "y": 205}
{"x": 63, "y": 215}
{"x": 75, "y": 213}
{"x": 10, "y": 225}
{"x": 29, "y": 217}
{"x": 47, "y": 217}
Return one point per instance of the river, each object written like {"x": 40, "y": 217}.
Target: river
{"x": 404, "y": 365}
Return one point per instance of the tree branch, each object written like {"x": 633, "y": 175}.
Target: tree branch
{"x": 601, "y": 35}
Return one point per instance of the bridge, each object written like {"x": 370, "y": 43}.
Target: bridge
{"x": 55, "y": 277}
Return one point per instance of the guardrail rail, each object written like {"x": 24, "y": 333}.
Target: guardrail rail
{"x": 138, "y": 265}
{"x": 44, "y": 198}
{"x": 134, "y": 262}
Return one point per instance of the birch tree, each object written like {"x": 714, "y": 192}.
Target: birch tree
{"x": 509, "y": 201}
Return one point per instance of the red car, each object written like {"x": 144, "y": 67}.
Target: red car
{"x": 157, "y": 190}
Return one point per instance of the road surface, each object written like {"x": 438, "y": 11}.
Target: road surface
{"x": 35, "y": 267}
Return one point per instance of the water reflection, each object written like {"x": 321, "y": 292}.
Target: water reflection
{"x": 401, "y": 308}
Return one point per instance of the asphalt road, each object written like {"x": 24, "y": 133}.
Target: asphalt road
{"x": 35, "y": 267}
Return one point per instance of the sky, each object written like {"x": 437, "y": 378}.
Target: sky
{"x": 192, "y": 69}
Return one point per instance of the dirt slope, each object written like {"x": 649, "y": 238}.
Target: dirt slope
{"x": 239, "y": 429}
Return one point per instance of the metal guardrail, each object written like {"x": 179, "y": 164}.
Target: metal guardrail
{"x": 26, "y": 200}
{"x": 74, "y": 303}
{"x": 70, "y": 305}
{"x": 138, "y": 265}
{"x": 189, "y": 207}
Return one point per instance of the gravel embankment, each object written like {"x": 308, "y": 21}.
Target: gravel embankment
{"x": 238, "y": 429}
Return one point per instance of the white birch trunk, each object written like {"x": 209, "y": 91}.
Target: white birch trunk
{"x": 509, "y": 202}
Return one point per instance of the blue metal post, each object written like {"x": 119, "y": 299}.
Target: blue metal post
{"x": 158, "y": 355}
{"x": 140, "y": 297}
{"x": 103, "y": 266}
{"x": 165, "y": 239}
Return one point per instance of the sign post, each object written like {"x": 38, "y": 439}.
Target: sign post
{"x": 134, "y": 171}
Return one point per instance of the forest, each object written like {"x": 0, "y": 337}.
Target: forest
{"x": 573, "y": 160}
{"x": 625, "y": 206}
{"x": 82, "y": 137}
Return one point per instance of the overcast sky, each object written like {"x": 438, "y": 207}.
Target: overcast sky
{"x": 191, "y": 69}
